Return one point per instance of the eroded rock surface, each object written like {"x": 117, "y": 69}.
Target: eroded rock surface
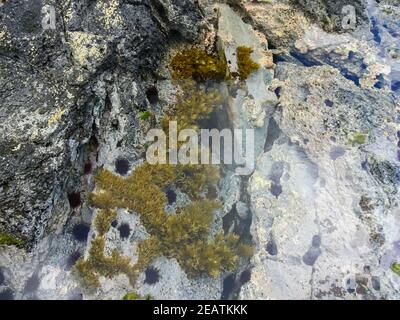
{"x": 321, "y": 205}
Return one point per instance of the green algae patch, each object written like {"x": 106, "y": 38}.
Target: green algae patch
{"x": 186, "y": 235}
{"x": 135, "y": 296}
{"x": 245, "y": 63}
{"x": 358, "y": 138}
{"x": 145, "y": 115}
{"x": 8, "y": 240}
{"x": 103, "y": 220}
{"x": 395, "y": 267}
{"x": 99, "y": 264}
{"x": 192, "y": 105}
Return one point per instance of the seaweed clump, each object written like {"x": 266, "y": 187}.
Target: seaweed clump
{"x": 193, "y": 104}
{"x": 246, "y": 65}
{"x": 185, "y": 235}
{"x": 100, "y": 264}
{"x": 196, "y": 63}
{"x": 135, "y": 296}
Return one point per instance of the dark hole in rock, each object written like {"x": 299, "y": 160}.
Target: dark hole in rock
{"x": 228, "y": 286}
{"x": 242, "y": 226}
{"x": 2, "y": 278}
{"x": 329, "y": 103}
{"x": 305, "y": 59}
{"x": 87, "y": 168}
{"x": 122, "y": 166}
{"x": 7, "y": 294}
{"x": 275, "y": 176}
{"x": 350, "y": 286}
{"x": 115, "y": 124}
{"x": 74, "y": 199}
{"x": 80, "y": 232}
{"x": 272, "y": 135}
{"x": 271, "y": 247}
{"x": 245, "y": 276}
{"x": 171, "y": 196}
{"x": 278, "y": 92}
{"x": 365, "y": 166}
{"x": 311, "y": 256}
{"x": 72, "y": 259}
{"x": 395, "y": 85}
{"x": 278, "y": 58}
{"x": 124, "y": 230}
{"x": 316, "y": 241}
{"x": 32, "y": 284}
{"x": 114, "y": 224}
{"x": 276, "y": 190}
{"x": 93, "y": 144}
{"x": 152, "y": 275}
{"x": 119, "y": 143}
{"x": 376, "y": 283}
{"x": 152, "y": 95}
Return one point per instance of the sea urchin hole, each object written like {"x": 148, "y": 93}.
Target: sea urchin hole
{"x": 122, "y": 166}
{"x": 171, "y": 196}
{"x": 74, "y": 199}
{"x": 124, "y": 230}
{"x": 152, "y": 275}
{"x": 32, "y": 284}
{"x": 152, "y": 95}
{"x": 114, "y": 224}
{"x": 81, "y": 231}
{"x": 245, "y": 276}
{"x": 328, "y": 103}
{"x": 228, "y": 286}
{"x": 87, "y": 168}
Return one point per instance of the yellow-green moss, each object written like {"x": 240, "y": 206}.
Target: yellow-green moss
{"x": 395, "y": 267}
{"x": 193, "y": 179}
{"x": 8, "y": 240}
{"x": 193, "y": 104}
{"x": 196, "y": 63}
{"x": 103, "y": 220}
{"x": 135, "y": 296}
{"x": 185, "y": 235}
{"x": 246, "y": 65}
{"x": 174, "y": 236}
{"x": 99, "y": 264}
{"x": 86, "y": 274}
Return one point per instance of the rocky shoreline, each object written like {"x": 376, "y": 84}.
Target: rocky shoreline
{"x": 321, "y": 207}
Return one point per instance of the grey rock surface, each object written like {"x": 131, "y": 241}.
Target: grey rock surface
{"x": 321, "y": 205}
